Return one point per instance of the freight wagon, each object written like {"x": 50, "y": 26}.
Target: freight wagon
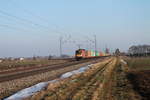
{"x": 83, "y": 54}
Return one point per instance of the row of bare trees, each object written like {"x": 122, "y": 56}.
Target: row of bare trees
{"x": 140, "y": 50}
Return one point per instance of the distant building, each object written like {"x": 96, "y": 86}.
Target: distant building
{"x": 140, "y": 50}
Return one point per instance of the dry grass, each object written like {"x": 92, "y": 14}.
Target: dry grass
{"x": 139, "y": 63}
{"x": 121, "y": 87}
{"x": 139, "y": 75}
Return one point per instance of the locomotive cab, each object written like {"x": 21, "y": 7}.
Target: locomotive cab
{"x": 79, "y": 54}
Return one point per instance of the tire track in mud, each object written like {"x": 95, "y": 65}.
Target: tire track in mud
{"x": 87, "y": 92}
{"x": 87, "y": 89}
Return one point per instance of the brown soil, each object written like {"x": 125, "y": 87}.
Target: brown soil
{"x": 141, "y": 82}
{"x": 122, "y": 89}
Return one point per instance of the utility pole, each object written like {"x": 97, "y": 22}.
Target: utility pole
{"x": 60, "y": 45}
{"x": 95, "y": 41}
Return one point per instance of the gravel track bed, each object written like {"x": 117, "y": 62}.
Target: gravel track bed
{"x": 10, "y": 87}
{"x": 4, "y": 69}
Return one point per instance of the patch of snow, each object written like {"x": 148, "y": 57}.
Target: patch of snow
{"x": 1, "y": 61}
{"x": 124, "y": 62}
{"x": 38, "y": 87}
{"x": 78, "y": 71}
{"x": 29, "y": 91}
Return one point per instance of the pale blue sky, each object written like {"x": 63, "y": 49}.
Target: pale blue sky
{"x": 33, "y": 27}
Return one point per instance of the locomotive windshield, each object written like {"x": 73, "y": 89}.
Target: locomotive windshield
{"x": 78, "y": 52}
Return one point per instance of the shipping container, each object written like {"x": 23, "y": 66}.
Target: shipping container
{"x": 104, "y": 54}
{"x": 101, "y": 54}
{"x": 97, "y": 53}
{"x": 92, "y": 53}
{"x": 89, "y": 54}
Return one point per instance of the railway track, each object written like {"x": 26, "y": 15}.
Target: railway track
{"x": 7, "y": 76}
{"x": 11, "y": 70}
{"x": 31, "y": 67}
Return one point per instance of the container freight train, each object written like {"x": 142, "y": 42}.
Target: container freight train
{"x": 83, "y": 54}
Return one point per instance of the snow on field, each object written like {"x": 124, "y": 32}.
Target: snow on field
{"x": 124, "y": 62}
{"x": 29, "y": 91}
{"x": 78, "y": 71}
{"x": 38, "y": 87}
